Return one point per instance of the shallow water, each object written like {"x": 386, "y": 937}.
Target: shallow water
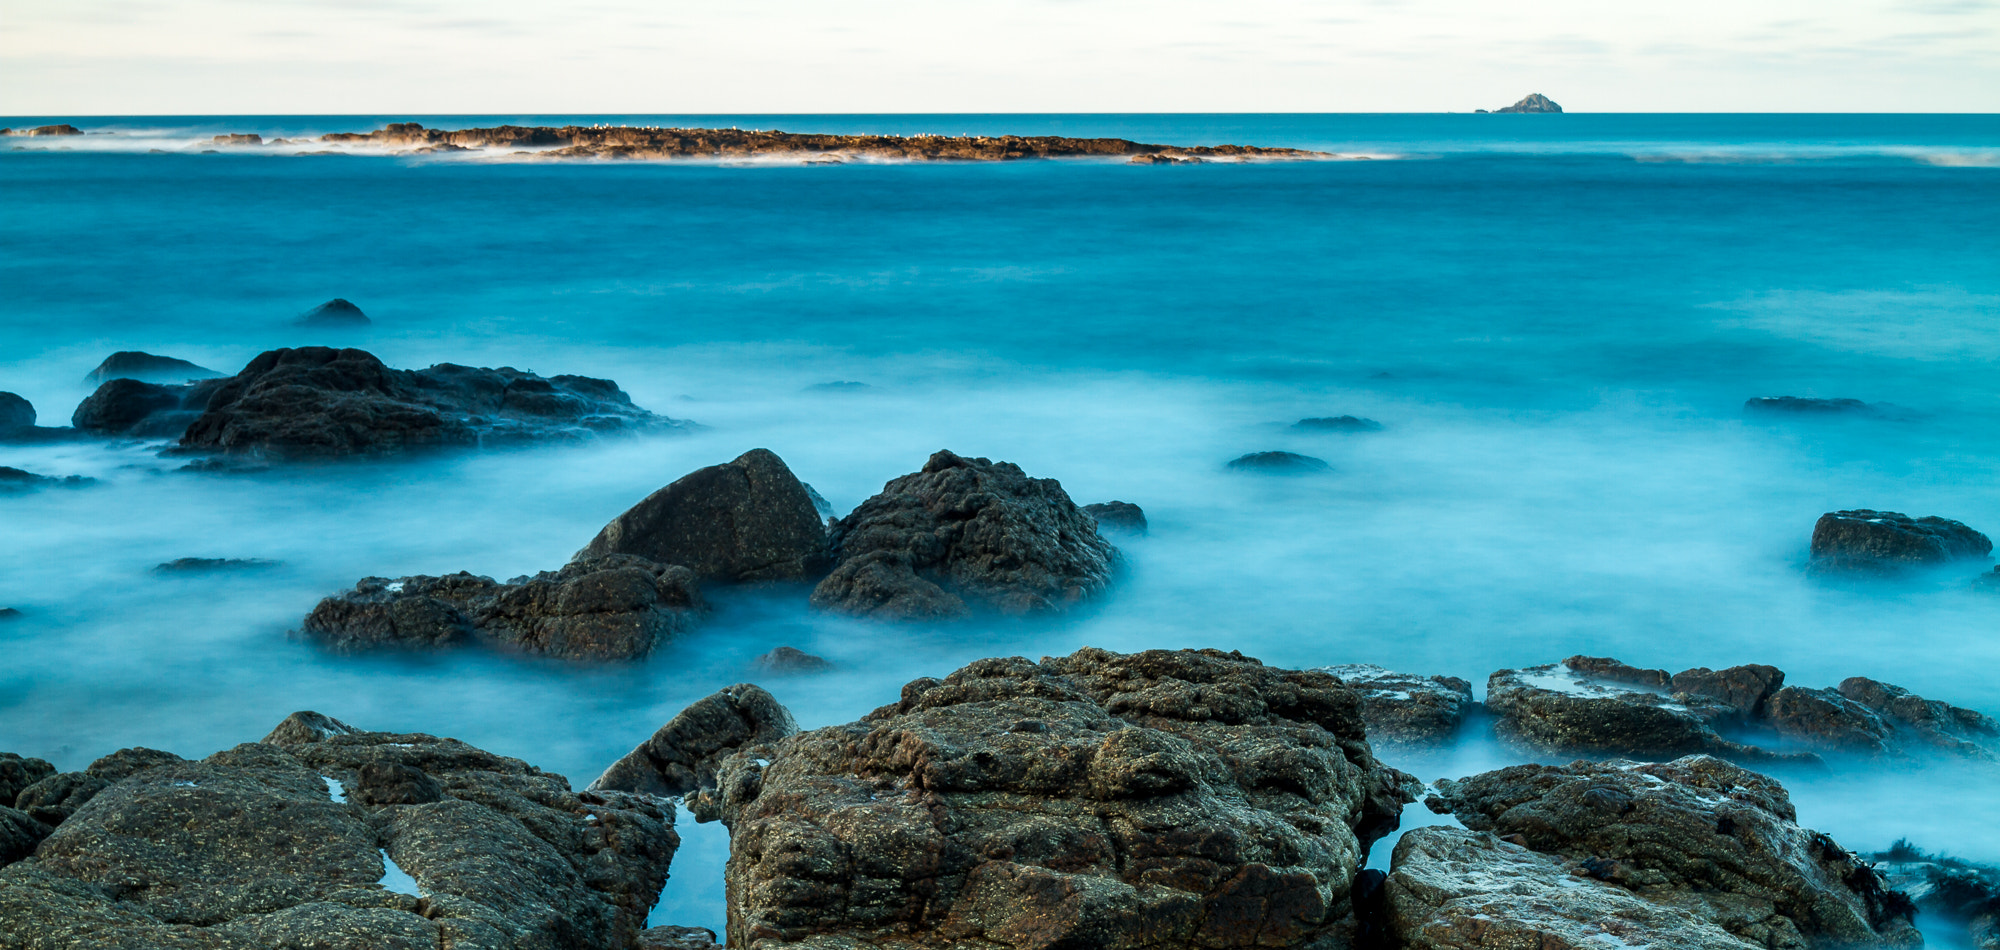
{"x": 1556, "y": 318}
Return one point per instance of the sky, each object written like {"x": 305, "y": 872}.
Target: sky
{"x": 202, "y": 57}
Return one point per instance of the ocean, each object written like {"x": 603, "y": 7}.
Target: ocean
{"x": 1556, "y": 319}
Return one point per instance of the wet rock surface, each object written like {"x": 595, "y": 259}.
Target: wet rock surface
{"x": 337, "y": 312}
{"x": 1960, "y": 894}
{"x": 256, "y": 847}
{"x": 146, "y": 367}
{"x": 1278, "y": 463}
{"x": 965, "y": 535}
{"x": 608, "y": 608}
{"x": 1161, "y": 799}
{"x": 1697, "y": 836}
{"x": 1337, "y": 424}
{"x": 1864, "y": 541}
{"x": 676, "y": 938}
{"x": 1406, "y": 710}
{"x": 682, "y": 757}
{"x": 1117, "y": 516}
{"x": 747, "y": 520}
{"x": 1596, "y": 705}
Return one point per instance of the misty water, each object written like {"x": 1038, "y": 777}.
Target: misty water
{"x": 1555, "y": 318}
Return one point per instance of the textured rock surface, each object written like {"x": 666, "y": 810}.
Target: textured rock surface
{"x": 337, "y": 312}
{"x": 133, "y": 364}
{"x": 747, "y": 520}
{"x": 18, "y": 772}
{"x": 1117, "y": 516}
{"x": 965, "y": 534}
{"x": 249, "y": 849}
{"x": 608, "y": 608}
{"x": 1697, "y": 835}
{"x": 1964, "y": 895}
{"x": 1535, "y": 102}
{"x": 682, "y": 757}
{"x": 317, "y": 401}
{"x": 1278, "y": 463}
{"x": 1873, "y": 542}
{"x": 1405, "y": 710}
{"x": 1338, "y": 424}
{"x": 1160, "y": 799}
{"x": 44, "y": 130}
{"x": 1598, "y": 706}
{"x": 1920, "y": 722}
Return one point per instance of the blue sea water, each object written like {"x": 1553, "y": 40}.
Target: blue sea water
{"x": 1556, "y": 318}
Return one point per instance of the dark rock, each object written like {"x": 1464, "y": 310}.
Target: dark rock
{"x": 9, "y": 613}
{"x": 747, "y": 520}
{"x": 125, "y": 763}
{"x": 669, "y": 937}
{"x": 1338, "y": 424}
{"x": 19, "y": 772}
{"x": 16, "y": 481}
{"x": 1403, "y": 710}
{"x": 130, "y": 407}
{"x": 682, "y": 757}
{"x": 1927, "y": 722}
{"x": 334, "y": 313}
{"x": 965, "y": 534}
{"x": 1118, "y": 516}
{"x": 214, "y": 565}
{"x": 1156, "y": 158}
{"x": 1278, "y": 463}
{"x": 1697, "y": 835}
{"x": 1535, "y": 102}
{"x": 318, "y": 401}
{"x": 247, "y": 849}
{"x": 19, "y": 835}
{"x": 1869, "y": 718}
{"x": 790, "y": 660}
{"x": 1167, "y": 799}
{"x": 146, "y": 367}
{"x": 307, "y": 726}
{"x": 378, "y": 783}
{"x": 1824, "y": 720}
{"x": 1879, "y": 542}
{"x": 1804, "y": 406}
{"x": 53, "y": 799}
{"x": 607, "y": 608}
{"x": 15, "y": 413}
{"x": 820, "y": 505}
{"x": 1598, "y": 706}
{"x": 44, "y": 130}
{"x": 1964, "y": 894}
{"x": 1742, "y": 688}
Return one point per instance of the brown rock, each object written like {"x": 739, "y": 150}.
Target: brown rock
{"x": 746, "y": 520}
{"x": 1742, "y": 688}
{"x": 1880, "y": 542}
{"x": 682, "y": 757}
{"x": 1404, "y": 710}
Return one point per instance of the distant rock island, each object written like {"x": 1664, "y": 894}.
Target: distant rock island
{"x": 1535, "y": 102}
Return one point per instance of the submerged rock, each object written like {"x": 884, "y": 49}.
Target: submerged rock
{"x": 1864, "y": 541}
{"x": 142, "y": 410}
{"x": 334, "y": 313}
{"x": 214, "y": 565}
{"x": 146, "y": 367}
{"x": 1535, "y": 102}
{"x": 609, "y": 608}
{"x": 1621, "y": 853}
{"x": 682, "y": 757}
{"x": 1338, "y": 424}
{"x": 746, "y": 520}
{"x": 9, "y": 613}
{"x": 786, "y": 661}
{"x": 1807, "y": 406}
{"x": 1118, "y": 516}
{"x": 256, "y": 846}
{"x": 16, "y": 481}
{"x": 1279, "y": 463}
{"x": 1403, "y": 710}
{"x": 1166, "y": 799}
{"x": 960, "y": 535}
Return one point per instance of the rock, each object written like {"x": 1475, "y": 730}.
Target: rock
{"x": 961, "y": 535}
{"x": 1156, "y": 158}
{"x": 1742, "y": 688}
{"x": 1805, "y": 406}
{"x": 9, "y": 613}
{"x": 1599, "y": 706}
{"x": 1927, "y": 722}
{"x": 1535, "y": 102}
{"x": 1117, "y": 516}
{"x": 19, "y": 772}
{"x": 240, "y": 138}
{"x": 145, "y": 367}
{"x": 19, "y": 835}
{"x": 1871, "y": 719}
{"x": 604, "y": 608}
{"x": 334, "y": 313}
{"x": 682, "y": 757}
{"x": 1166, "y": 799}
{"x": 820, "y": 505}
{"x": 1403, "y": 710}
{"x": 125, "y": 763}
{"x": 307, "y": 726}
{"x": 1964, "y": 894}
{"x": 1697, "y": 835}
{"x": 137, "y": 409}
{"x": 55, "y": 798}
{"x": 16, "y": 481}
{"x": 44, "y": 130}
{"x": 1279, "y": 463}
{"x": 247, "y": 849}
{"x": 676, "y": 938}
{"x": 316, "y": 402}
{"x": 1338, "y": 424}
{"x": 214, "y": 565}
{"x": 785, "y": 661}
{"x": 1864, "y": 541}
{"x": 15, "y": 413}
{"x": 746, "y": 520}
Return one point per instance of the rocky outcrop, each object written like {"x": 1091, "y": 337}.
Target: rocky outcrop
{"x": 746, "y": 520}
{"x": 1624, "y": 854}
{"x": 237, "y": 138}
{"x": 1278, "y": 463}
{"x": 14, "y": 481}
{"x": 1864, "y": 541}
{"x": 1166, "y": 799}
{"x": 657, "y": 143}
{"x": 609, "y": 608}
{"x": 44, "y": 130}
{"x": 1535, "y": 102}
{"x": 1118, "y": 516}
{"x": 1403, "y": 710}
{"x": 141, "y": 410}
{"x": 17, "y": 772}
{"x": 965, "y": 535}
{"x": 15, "y": 413}
{"x": 318, "y": 402}
{"x": 1864, "y": 717}
{"x": 1337, "y": 424}
{"x": 682, "y": 757}
{"x": 1963, "y": 895}
{"x": 146, "y": 367}
{"x": 334, "y": 314}
{"x": 291, "y": 843}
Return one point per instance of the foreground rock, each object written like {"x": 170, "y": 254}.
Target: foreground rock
{"x": 1690, "y": 853}
{"x": 1118, "y": 516}
{"x": 682, "y": 758}
{"x": 146, "y": 367}
{"x": 746, "y": 520}
{"x": 14, "y": 481}
{"x": 609, "y": 608}
{"x": 288, "y": 842}
{"x": 320, "y": 402}
{"x": 1405, "y": 711}
{"x": 1864, "y": 541}
{"x": 965, "y": 534}
{"x": 1161, "y": 799}
{"x": 1961, "y": 894}
{"x": 666, "y": 143}
{"x": 335, "y": 313}
{"x": 1279, "y": 463}
{"x": 1535, "y": 102}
